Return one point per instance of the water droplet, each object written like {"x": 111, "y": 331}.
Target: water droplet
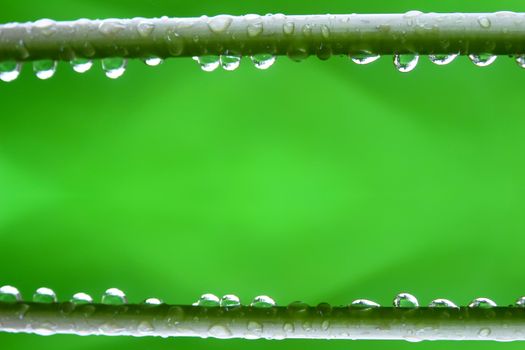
{"x": 364, "y": 57}
{"x": 145, "y": 327}
{"x": 297, "y": 53}
{"x": 288, "y": 28}
{"x": 45, "y": 26}
{"x": 324, "y": 309}
{"x": 44, "y": 295}
{"x": 482, "y": 60}
{"x": 220, "y": 331}
{"x": 405, "y": 300}
{"x": 484, "y": 332}
{"x": 307, "y": 30}
{"x": 483, "y": 303}
{"x": 324, "y": 52}
{"x": 254, "y": 29}
{"x": 263, "y": 61}
{"x": 110, "y": 27}
{"x": 114, "y": 67}
{"x": 442, "y": 60}
{"x": 484, "y": 22}
{"x": 364, "y": 304}
{"x": 208, "y": 300}
{"x": 145, "y": 28}
{"x": 9, "y": 294}
{"x": 307, "y": 326}
{"x": 44, "y": 69}
{"x": 219, "y": 24}
{"x": 325, "y": 325}
{"x": 442, "y": 303}
{"x": 10, "y": 70}
{"x": 114, "y": 296}
{"x": 406, "y": 63}
{"x": 81, "y": 65}
{"x": 298, "y": 307}
{"x": 230, "y": 301}
{"x": 81, "y": 299}
{"x": 263, "y": 301}
{"x": 174, "y": 315}
{"x": 153, "y": 301}
{"x": 230, "y": 62}
{"x": 153, "y": 61}
{"x": 325, "y": 32}
{"x": 520, "y": 60}
{"x": 208, "y": 63}
{"x": 255, "y": 327}
{"x": 520, "y": 302}
{"x": 288, "y": 327}
{"x": 174, "y": 42}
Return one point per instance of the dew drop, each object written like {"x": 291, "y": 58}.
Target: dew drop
{"x": 230, "y": 301}
{"x": 406, "y": 63}
{"x": 405, "y": 300}
{"x": 288, "y": 327}
{"x": 145, "y": 28}
{"x": 297, "y": 53}
{"x": 298, "y": 307}
{"x": 10, "y": 70}
{"x": 230, "y": 62}
{"x": 255, "y": 327}
{"x": 263, "y": 61}
{"x": 220, "y": 331}
{"x": 325, "y": 31}
{"x": 364, "y": 304}
{"x": 81, "y": 299}
{"x": 324, "y": 309}
{"x": 174, "y": 42}
{"x": 153, "y": 61}
{"x": 255, "y": 29}
{"x": 325, "y": 325}
{"x": 483, "y": 303}
{"x": 81, "y": 65}
{"x": 482, "y": 60}
{"x": 208, "y": 63}
{"x": 520, "y": 302}
{"x": 442, "y": 60}
{"x": 219, "y": 24}
{"x": 44, "y": 295}
{"x": 208, "y": 300}
{"x": 145, "y": 327}
{"x": 364, "y": 57}
{"x": 45, "y": 26}
{"x": 263, "y": 301}
{"x": 484, "y": 22}
{"x": 9, "y": 294}
{"x": 484, "y": 332}
{"x": 114, "y": 67}
{"x": 114, "y": 296}
{"x": 110, "y": 27}
{"x": 288, "y": 28}
{"x": 442, "y": 303}
{"x": 153, "y": 301}
{"x": 520, "y": 60}
{"x": 174, "y": 315}
{"x": 307, "y": 326}
{"x": 44, "y": 69}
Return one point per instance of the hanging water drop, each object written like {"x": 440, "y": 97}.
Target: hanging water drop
{"x": 406, "y": 62}
{"x": 208, "y": 63}
{"x": 153, "y": 301}
{"x": 9, "y": 294}
{"x": 114, "y": 67}
{"x": 520, "y": 60}
{"x": 297, "y": 53}
{"x": 520, "y": 302}
{"x": 153, "y": 61}
{"x": 81, "y": 65}
{"x": 482, "y": 60}
{"x": 442, "y": 303}
{"x": 230, "y": 62}
{"x": 114, "y": 296}
{"x": 10, "y": 70}
{"x": 44, "y": 69}
{"x": 405, "y": 300}
{"x": 442, "y": 60}
{"x": 364, "y": 57}
{"x": 324, "y": 309}
{"x": 81, "y": 299}
{"x": 364, "y": 304}
{"x": 262, "y": 301}
{"x": 44, "y": 295}
{"x": 263, "y": 61}
{"x": 483, "y": 303}
{"x": 230, "y": 301}
{"x": 208, "y": 300}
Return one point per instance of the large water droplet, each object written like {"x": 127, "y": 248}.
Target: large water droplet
{"x": 145, "y": 28}
{"x": 114, "y": 296}
{"x": 208, "y": 300}
{"x": 220, "y": 331}
{"x": 81, "y": 65}
{"x": 484, "y": 22}
{"x": 153, "y": 301}
{"x": 263, "y": 301}
{"x": 10, "y": 70}
{"x": 288, "y": 28}
{"x": 230, "y": 62}
{"x": 263, "y": 61}
{"x": 208, "y": 63}
{"x": 406, "y": 63}
{"x": 364, "y": 57}
{"x": 44, "y": 295}
{"x": 364, "y": 304}
{"x": 81, "y": 299}
{"x": 442, "y": 59}
{"x": 153, "y": 61}
{"x": 44, "y": 69}
{"x": 482, "y": 60}
{"x": 520, "y": 60}
{"x": 230, "y": 301}
{"x": 9, "y": 294}
{"x": 114, "y": 67}
{"x": 405, "y": 300}
{"x": 219, "y": 24}
{"x": 483, "y": 303}
{"x": 443, "y": 303}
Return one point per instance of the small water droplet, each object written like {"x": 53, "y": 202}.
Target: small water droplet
{"x": 307, "y": 326}
{"x": 230, "y": 62}
{"x": 442, "y": 303}
{"x": 484, "y": 332}
{"x": 325, "y": 31}
{"x": 174, "y": 42}
{"x": 145, "y": 28}
{"x": 442, "y": 59}
{"x": 298, "y": 307}
{"x": 520, "y": 302}
{"x": 81, "y": 299}
{"x": 406, "y": 63}
{"x": 255, "y": 29}
{"x": 153, "y": 61}
{"x": 87, "y": 310}
{"x": 21, "y": 310}
{"x": 145, "y": 327}
{"x": 263, "y": 61}
{"x": 255, "y": 327}
{"x": 484, "y": 22}
{"x": 288, "y": 28}
{"x": 208, "y": 300}
{"x": 324, "y": 309}
{"x": 81, "y": 65}
{"x": 153, "y": 301}
{"x": 9, "y": 294}
{"x": 405, "y": 300}
{"x": 520, "y": 60}
{"x": 220, "y": 331}
{"x": 219, "y": 24}
{"x": 297, "y": 53}
{"x": 364, "y": 57}
{"x": 114, "y": 67}
{"x": 483, "y": 303}
{"x": 263, "y": 301}
{"x": 44, "y": 69}
{"x": 110, "y": 27}
{"x": 482, "y": 60}
{"x": 230, "y": 301}
{"x": 44, "y": 295}
{"x": 174, "y": 315}
{"x": 208, "y": 63}
{"x": 10, "y": 70}
{"x": 364, "y": 304}
{"x": 114, "y": 296}
{"x": 45, "y": 26}
{"x": 288, "y": 327}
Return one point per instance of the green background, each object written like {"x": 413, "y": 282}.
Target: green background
{"x": 318, "y": 181}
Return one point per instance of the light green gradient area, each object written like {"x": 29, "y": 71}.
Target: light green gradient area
{"x": 319, "y": 181}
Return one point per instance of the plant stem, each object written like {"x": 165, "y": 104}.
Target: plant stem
{"x": 322, "y": 322}
{"x": 296, "y": 36}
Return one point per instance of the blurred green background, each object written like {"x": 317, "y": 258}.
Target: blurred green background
{"x": 319, "y": 181}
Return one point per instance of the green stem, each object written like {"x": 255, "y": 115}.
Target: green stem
{"x": 296, "y": 36}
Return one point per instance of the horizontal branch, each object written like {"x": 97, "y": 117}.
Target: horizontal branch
{"x": 296, "y": 36}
